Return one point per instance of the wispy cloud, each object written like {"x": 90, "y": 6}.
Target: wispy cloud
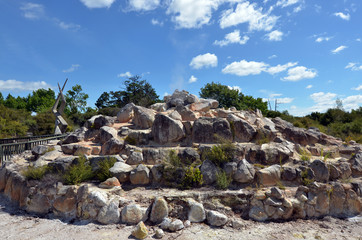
{"x": 192, "y": 79}
{"x": 32, "y": 10}
{"x": 309, "y": 86}
{"x": 204, "y": 60}
{"x": 72, "y": 68}
{"x": 359, "y": 88}
{"x": 233, "y": 37}
{"x": 15, "y": 85}
{"x": 280, "y": 68}
{"x": 321, "y": 39}
{"x": 286, "y": 3}
{"x": 156, "y": 22}
{"x": 338, "y": 49}
{"x": 354, "y": 66}
{"x": 143, "y": 5}
{"x": 97, "y": 3}
{"x": 342, "y": 15}
{"x": 237, "y": 88}
{"x": 126, "y": 75}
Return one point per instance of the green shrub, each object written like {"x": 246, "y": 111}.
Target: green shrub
{"x": 221, "y": 153}
{"x": 259, "y": 165}
{"x": 79, "y": 172}
{"x": 193, "y": 178}
{"x": 131, "y": 140}
{"x": 35, "y": 173}
{"x": 305, "y": 156}
{"x": 103, "y": 173}
{"x": 305, "y": 178}
{"x": 222, "y": 180}
{"x": 262, "y": 138}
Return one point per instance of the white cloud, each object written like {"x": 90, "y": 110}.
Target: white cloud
{"x": 286, "y": 3}
{"x": 280, "y": 68}
{"x": 273, "y": 95}
{"x": 275, "y": 35}
{"x": 245, "y": 68}
{"x": 248, "y": 13}
{"x": 323, "y": 101}
{"x": 205, "y": 60}
{"x": 15, "y": 85}
{"x": 338, "y": 49}
{"x": 321, "y": 39}
{"x": 358, "y": 39}
{"x": 233, "y": 37}
{"x": 358, "y": 88}
{"x": 299, "y": 73}
{"x": 235, "y": 88}
{"x": 126, "y": 74}
{"x": 192, "y": 79}
{"x": 97, "y": 3}
{"x": 342, "y": 15}
{"x": 352, "y": 102}
{"x": 156, "y": 22}
{"x": 143, "y": 5}
{"x": 354, "y": 67}
{"x": 191, "y": 13}
{"x": 309, "y": 86}
{"x": 298, "y": 9}
{"x": 32, "y": 10}
{"x": 72, "y": 68}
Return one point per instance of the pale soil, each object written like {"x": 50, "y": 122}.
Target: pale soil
{"x": 15, "y": 224}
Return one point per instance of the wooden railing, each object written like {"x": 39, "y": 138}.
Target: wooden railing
{"x": 19, "y": 145}
{"x": 24, "y": 139}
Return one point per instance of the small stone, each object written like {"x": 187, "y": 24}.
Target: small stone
{"x": 165, "y": 224}
{"x": 258, "y": 214}
{"x": 159, "y": 234}
{"x": 140, "y": 231}
{"x": 187, "y": 223}
{"x": 176, "y": 225}
{"x": 196, "y": 212}
{"x": 237, "y": 224}
{"x": 110, "y": 183}
{"x": 159, "y": 210}
{"x": 276, "y": 192}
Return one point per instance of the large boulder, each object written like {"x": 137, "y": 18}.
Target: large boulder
{"x": 356, "y": 165}
{"x": 205, "y": 129}
{"x": 159, "y": 210}
{"x": 269, "y": 176}
{"x": 112, "y": 146}
{"x": 140, "y": 175}
{"x": 107, "y": 133}
{"x": 257, "y": 213}
{"x": 133, "y": 214}
{"x": 76, "y": 136}
{"x": 209, "y": 172}
{"x": 186, "y": 114}
{"x": 337, "y": 200}
{"x": 101, "y": 121}
{"x": 121, "y": 171}
{"x": 180, "y": 98}
{"x": 216, "y": 219}
{"x": 109, "y": 214}
{"x": 244, "y": 173}
{"x": 135, "y": 158}
{"x": 166, "y": 129}
{"x": 143, "y": 117}
{"x": 126, "y": 113}
{"x": 243, "y": 130}
{"x": 320, "y": 170}
{"x": 204, "y": 105}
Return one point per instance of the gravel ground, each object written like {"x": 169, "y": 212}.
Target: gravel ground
{"x": 15, "y": 224}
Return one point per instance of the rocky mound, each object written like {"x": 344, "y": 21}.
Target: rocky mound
{"x": 272, "y": 170}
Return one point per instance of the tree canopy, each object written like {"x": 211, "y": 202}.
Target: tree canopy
{"x": 136, "y": 90}
{"x": 76, "y": 100}
{"x": 228, "y": 97}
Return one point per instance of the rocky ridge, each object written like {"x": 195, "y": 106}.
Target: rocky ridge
{"x": 278, "y": 171}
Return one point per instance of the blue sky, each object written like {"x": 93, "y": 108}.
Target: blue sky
{"x": 305, "y": 53}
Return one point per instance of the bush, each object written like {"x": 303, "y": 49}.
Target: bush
{"x": 130, "y": 140}
{"x": 222, "y": 180}
{"x": 103, "y": 173}
{"x": 79, "y": 172}
{"x": 220, "y": 154}
{"x": 305, "y": 156}
{"x": 193, "y": 178}
{"x": 35, "y": 173}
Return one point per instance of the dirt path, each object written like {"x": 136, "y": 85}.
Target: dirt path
{"x": 15, "y": 224}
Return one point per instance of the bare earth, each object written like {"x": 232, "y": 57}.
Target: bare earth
{"x": 15, "y": 224}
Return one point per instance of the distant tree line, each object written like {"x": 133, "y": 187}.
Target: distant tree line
{"x": 32, "y": 114}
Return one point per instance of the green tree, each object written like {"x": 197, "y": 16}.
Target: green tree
{"x": 41, "y": 100}
{"x": 11, "y": 102}
{"x": 136, "y": 90}
{"x": 223, "y": 94}
{"x": 1, "y": 98}
{"x": 228, "y": 97}
{"x": 76, "y": 100}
